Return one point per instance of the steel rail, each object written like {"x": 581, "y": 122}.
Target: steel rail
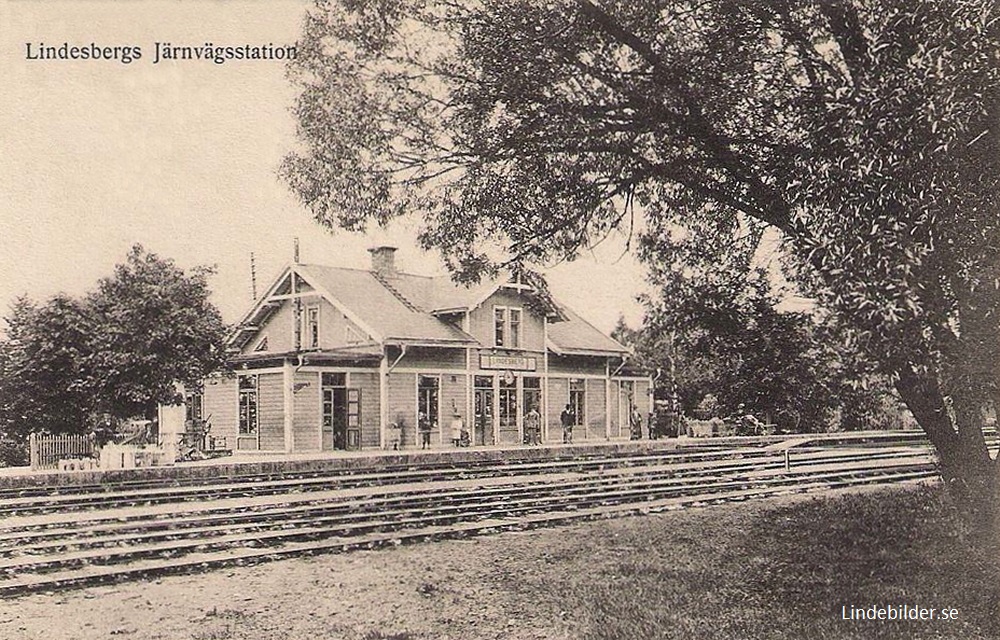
{"x": 224, "y": 490}
{"x": 243, "y": 555}
{"x": 601, "y": 491}
{"x": 124, "y": 530}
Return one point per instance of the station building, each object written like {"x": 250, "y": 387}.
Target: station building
{"x": 334, "y": 358}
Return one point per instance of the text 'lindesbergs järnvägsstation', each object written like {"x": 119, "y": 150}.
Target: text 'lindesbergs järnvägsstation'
{"x": 159, "y": 52}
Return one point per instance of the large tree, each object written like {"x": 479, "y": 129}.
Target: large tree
{"x": 866, "y": 133}
{"x": 715, "y": 331}
{"x": 43, "y": 368}
{"x": 117, "y": 351}
{"x": 732, "y": 342}
{"x": 154, "y": 327}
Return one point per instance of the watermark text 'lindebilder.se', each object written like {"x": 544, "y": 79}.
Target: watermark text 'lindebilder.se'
{"x": 897, "y": 612}
{"x": 161, "y": 52}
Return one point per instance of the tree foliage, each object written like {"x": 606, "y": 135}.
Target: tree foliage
{"x": 154, "y": 327}
{"x": 865, "y": 133}
{"x": 726, "y": 338}
{"x": 117, "y": 351}
{"x": 44, "y": 384}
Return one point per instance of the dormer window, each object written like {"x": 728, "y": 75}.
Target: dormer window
{"x": 514, "y": 320}
{"x": 262, "y": 345}
{"x": 507, "y": 327}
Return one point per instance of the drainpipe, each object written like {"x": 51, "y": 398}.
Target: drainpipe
{"x": 607, "y": 398}
{"x": 659, "y": 372}
{"x": 288, "y": 403}
{"x": 384, "y": 369}
{"x": 545, "y": 378}
{"x": 621, "y": 366}
{"x": 383, "y": 399}
{"x": 402, "y": 353}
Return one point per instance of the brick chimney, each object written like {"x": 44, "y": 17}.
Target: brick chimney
{"x": 384, "y": 260}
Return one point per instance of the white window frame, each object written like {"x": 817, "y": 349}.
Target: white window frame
{"x": 508, "y": 334}
{"x": 239, "y": 406}
{"x": 514, "y": 336}
{"x": 497, "y": 342}
{"x": 311, "y": 344}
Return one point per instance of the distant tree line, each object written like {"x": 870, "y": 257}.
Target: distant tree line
{"x": 68, "y": 365}
{"x": 725, "y": 347}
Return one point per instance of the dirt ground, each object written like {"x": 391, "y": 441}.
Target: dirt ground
{"x": 459, "y": 589}
{"x": 562, "y": 583}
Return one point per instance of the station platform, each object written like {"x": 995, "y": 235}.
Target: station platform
{"x": 264, "y": 463}
{"x": 245, "y": 464}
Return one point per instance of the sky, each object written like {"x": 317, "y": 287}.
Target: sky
{"x": 97, "y": 155}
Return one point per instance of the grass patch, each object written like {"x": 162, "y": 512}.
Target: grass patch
{"x": 771, "y": 569}
{"x": 765, "y": 570}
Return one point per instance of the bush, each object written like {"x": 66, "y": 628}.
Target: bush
{"x": 13, "y": 453}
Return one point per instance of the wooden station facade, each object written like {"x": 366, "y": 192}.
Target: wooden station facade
{"x": 333, "y": 358}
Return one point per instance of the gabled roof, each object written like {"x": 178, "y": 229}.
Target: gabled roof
{"x": 449, "y": 297}
{"x": 408, "y": 308}
{"x": 577, "y": 336}
{"x": 452, "y": 297}
{"x": 382, "y": 304}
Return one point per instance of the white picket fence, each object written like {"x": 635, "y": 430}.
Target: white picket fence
{"x": 48, "y": 449}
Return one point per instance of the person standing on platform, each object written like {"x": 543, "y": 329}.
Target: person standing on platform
{"x": 424, "y": 427}
{"x": 636, "y": 423}
{"x": 567, "y": 419}
{"x": 457, "y": 426}
{"x": 533, "y": 426}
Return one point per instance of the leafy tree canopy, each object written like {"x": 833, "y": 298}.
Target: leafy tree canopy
{"x": 725, "y": 338}
{"x": 154, "y": 327}
{"x": 118, "y": 351}
{"x": 866, "y": 133}
{"x": 44, "y": 383}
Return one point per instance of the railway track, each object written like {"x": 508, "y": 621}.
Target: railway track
{"x": 35, "y": 500}
{"x": 704, "y": 450}
{"x": 393, "y": 472}
{"x": 54, "y": 540}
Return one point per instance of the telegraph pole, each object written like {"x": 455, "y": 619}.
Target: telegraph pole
{"x": 253, "y": 277}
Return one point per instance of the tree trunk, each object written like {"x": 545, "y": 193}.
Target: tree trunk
{"x": 971, "y": 475}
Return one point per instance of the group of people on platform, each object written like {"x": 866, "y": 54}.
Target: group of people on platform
{"x": 568, "y": 419}
{"x": 532, "y": 428}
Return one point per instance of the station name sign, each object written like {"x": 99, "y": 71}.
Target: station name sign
{"x": 514, "y": 363}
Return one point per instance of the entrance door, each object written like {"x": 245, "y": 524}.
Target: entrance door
{"x": 531, "y": 401}
{"x": 341, "y": 426}
{"x": 483, "y": 418}
{"x": 577, "y": 404}
{"x": 507, "y": 411}
{"x": 334, "y": 418}
{"x": 626, "y": 402}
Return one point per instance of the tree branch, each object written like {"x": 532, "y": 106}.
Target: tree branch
{"x": 771, "y": 207}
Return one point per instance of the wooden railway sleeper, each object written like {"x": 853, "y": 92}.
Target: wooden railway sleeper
{"x": 505, "y": 510}
{"x": 584, "y": 486}
{"x": 81, "y": 580}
